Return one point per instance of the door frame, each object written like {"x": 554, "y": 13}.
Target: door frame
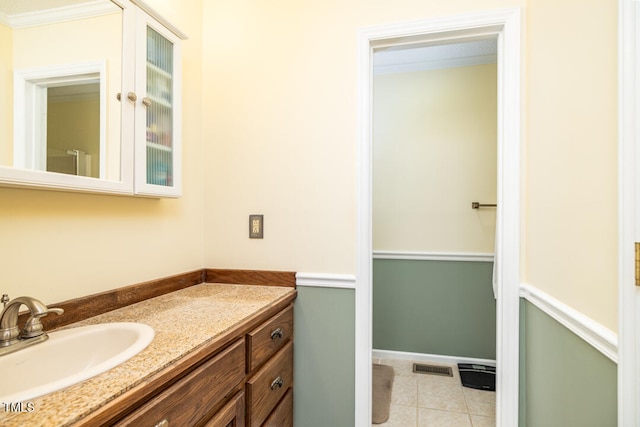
{"x": 505, "y": 24}
{"x": 628, "y": 211}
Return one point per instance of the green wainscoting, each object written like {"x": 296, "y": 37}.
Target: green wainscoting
{"x": 565, "y": 382}
{"x": 434, "y": 307}
{"x": 324, "y": 357}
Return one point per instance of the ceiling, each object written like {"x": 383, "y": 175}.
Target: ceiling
{"x": 418, "y": 57}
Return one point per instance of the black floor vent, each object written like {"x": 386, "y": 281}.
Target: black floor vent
{"x": 445, "y": 371}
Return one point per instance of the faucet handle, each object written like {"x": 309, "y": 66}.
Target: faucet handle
{"x": 33, "y": 326}
{"x": 55, "y": 310}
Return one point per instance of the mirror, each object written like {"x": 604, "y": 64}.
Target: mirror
{"x": 60, "y": 73}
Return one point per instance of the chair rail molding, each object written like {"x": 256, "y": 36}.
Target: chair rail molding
{"x": 601, "y": 338}
{"x": 434, "y": 256}
{"x": 323, "y": 280}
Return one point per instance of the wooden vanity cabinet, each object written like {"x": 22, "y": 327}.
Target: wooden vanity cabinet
{"x": 247, "y": 380}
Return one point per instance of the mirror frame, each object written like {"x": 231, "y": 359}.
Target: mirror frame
{"x": 29, "y": 98}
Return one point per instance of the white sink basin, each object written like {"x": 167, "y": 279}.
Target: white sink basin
{"x": 69, "y": 357}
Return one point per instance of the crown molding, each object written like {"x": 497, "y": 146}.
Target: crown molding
{"x": 61, "y": 14}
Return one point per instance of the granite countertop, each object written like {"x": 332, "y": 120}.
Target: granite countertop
{"x": 182, "y": 321}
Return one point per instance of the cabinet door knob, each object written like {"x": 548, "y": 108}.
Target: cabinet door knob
{"x": 278, "y": 333}
{"x": 132, "y": 96}
{"x": 277, "y": 383}
{"x": 163, "y": 423}
{"x": 146, "y": 102}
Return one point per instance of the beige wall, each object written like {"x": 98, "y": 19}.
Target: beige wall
{"x": 276, "y": 85}
{"x": 434, "y": 152}
{"x": 571, "y": 155}
{"x": 67, "y": 42}
{"x": 6, "y": 95}
{"x": 57, "y": 246}
{"x": 281, "y": 94}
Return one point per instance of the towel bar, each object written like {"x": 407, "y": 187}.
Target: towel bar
{"x": 478, "y": 205}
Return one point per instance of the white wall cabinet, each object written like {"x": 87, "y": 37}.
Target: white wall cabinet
{"x": 139, "y": 80}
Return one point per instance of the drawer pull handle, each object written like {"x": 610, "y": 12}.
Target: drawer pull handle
{"x": 163, "y": 423}
{"x": 278, "y": 333}
{"x": 277, "y": 383}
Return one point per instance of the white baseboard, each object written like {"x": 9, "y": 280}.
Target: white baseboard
{"x": 429, "y": 358}
{"x": 600, "y": 337}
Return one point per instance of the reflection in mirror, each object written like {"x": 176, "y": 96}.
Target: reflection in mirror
{"x": 69, "y": 121}
{"x": 73, "y": 129}
{"x": 59, "y": 125}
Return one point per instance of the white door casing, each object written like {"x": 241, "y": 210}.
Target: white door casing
{"x": 628, "y": 209}
{"x": 506, "y": 26}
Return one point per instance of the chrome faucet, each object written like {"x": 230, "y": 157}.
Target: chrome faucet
{"x": 32, "y": 332}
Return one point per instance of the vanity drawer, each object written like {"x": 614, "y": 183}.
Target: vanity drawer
{"x": 190, "y": 399}
{"x": 282, "y": 416}
{"x": 268, "y": 338}
{"x": 265, "y": 389}
{"x": 232, "y": 414}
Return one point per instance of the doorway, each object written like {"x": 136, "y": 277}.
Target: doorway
{"x": 505, "y": 27}
{"x": 434, "y": 155}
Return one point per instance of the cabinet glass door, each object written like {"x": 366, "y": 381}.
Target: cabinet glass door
{"x": 158, "y": 113}
{"x": 159, "y": 103}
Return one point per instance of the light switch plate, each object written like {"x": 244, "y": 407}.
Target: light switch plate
{"x": 256, "y": 226}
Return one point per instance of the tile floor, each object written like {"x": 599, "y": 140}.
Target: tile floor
{"x": 423, "y": 400}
